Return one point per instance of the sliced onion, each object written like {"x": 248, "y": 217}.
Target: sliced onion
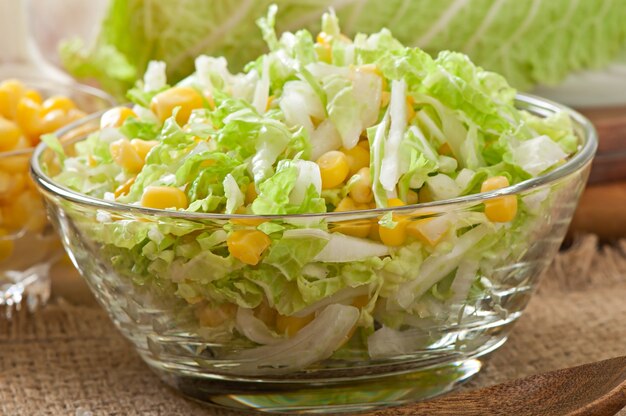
{"x": 313, "y": 343}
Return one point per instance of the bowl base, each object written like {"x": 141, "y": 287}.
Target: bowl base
{"x": 324, "y": 396}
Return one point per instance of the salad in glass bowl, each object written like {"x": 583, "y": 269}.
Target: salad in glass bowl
{"x": 346, "y": 224}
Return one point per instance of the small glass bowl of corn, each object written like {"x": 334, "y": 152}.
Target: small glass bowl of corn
{"x": 29, "y": 109}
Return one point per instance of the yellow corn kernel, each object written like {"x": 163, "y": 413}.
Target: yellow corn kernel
{"x": 410, "y": 111}
{"x": 396, "y": 236}
{"x": 355, "y": 228}
{"x": 358, "y": 158}
{"x": 322, "y": 38}
{"x": 266, "y": 314}
{"x": 53, "y": 121}
{"x": 251, "y": 193}
{"x": 501, "y": 209}
{"x": 17, "y": 164}
{"x": 290, "y": 325}
{"x": 424, "y": 194}
{"x": 124, "y": 188}
{"x": 334, "y": 169}
{"x": 6, "y": 245}
{"x": 361, "y": 301}
{"x": 445, "y": 149}
{"x": 215, "y": 315}
{"x": 493, "y": 183}
{"x": 385, "y": 99}
{"x": 345, "y": 205}
{"x": 162, "y": 197}
{"x": 416, "y": 229}
{"x": 33, "y": 95}
{"x": 165, "y": 102}
{"x": 247, "y": 245}
{"x": 374, "y": 233}
{"x": 116, "y": 116}
{"x": 361, "y": 191}
{"x": 92, "y": 161}
{"x": 125, "y": 155}
{"x": 11, "y": 184}
{"x": 28, "y": 117}
{"x": 252, "y": 222}
{"x": 412, "y": 198}
{"x": 26, "y": 211}
{"x": 11, "y": 92}
{"x": 58, "y": 102}
{"x": 9, "y": 134}
{"x": 143, "y": 147}
{"x": 75, "y": 114}
{"x": 270, "y": 100}
{"x": 364, "y": 143}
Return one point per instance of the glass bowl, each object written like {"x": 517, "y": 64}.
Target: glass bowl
{"x": 28, "y": 244}
{"x": 435, "y": 320}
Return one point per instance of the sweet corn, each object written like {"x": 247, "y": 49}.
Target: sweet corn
{"x": 266, "y": 314}
{"x": 124, "y": 188}
{"x": 355, "y": 228}
{"x": 323, "y": 48}
{"x": 165, "y": 102}
{"x": 125, "y": 155}
{"x": 290, "y": 325}
{"x": 410, "y": 111}
{"x": 247, "y": 245}
{"x": 358, "y": 158}
{"x": 17, "y": 164}
{"x": 428, "y": 230}
{"x": 385, "y": 99}
{"x": 28, "y": 117}
{"x": 493, "y": 183}
{"x": 411, "y": 197}
{"x": 6, "y": 245}
{"x": 361, "y": 301}
{"x": 53, "y": 121}
{"x": 115, "y": 117}
{"x": 162, "y": 197}
{"x": 394, "y": 236}
{"x": 445, "y": 149}
{"x": 334, "y": 168}
{"x": 25, "y": 211}
{"x": 215, "y": 315}
{"x": 361, "y": 191}
{"x": 58, "y": 102}
{"x": 11, "y": 184}
{"x": 501, "y": 209}
{"x": 143, "y": 147}
{"x": 251, "y": 222}
{"x": 11, "y": 91}
{"x": 9, "y": 134}
{"x": 424, "y": 194}
{"x": 346, "y": 204}
{"x": 364, "y": 143}
{"x": 251, "y": 194}
{"x": 374, "y": 233}
{"x": 33, "y": 95}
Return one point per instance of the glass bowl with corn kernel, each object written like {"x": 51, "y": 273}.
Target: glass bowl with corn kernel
{"x": 345, "y": 225}
{"x": 30, "y": 109}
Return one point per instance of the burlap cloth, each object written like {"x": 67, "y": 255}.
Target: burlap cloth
{"x": 69, "y": 359}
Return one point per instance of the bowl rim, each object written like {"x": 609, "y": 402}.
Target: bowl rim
{"x": 537, "y": 105}
{"x": 42, "y": 83}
